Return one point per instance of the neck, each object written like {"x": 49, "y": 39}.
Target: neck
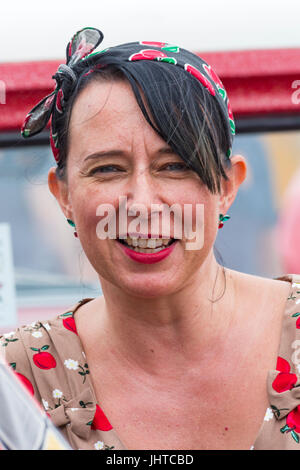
{"x": 161, "y": 334}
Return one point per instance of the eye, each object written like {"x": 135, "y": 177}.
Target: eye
{"x": 178, "y": 166}
{"x": 105, "y": 169}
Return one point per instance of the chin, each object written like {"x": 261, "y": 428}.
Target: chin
{"x": 145, "y": 285}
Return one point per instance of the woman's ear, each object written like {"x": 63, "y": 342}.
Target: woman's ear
{"x": 229, "y": 188}
{"x": 59, "y": 189}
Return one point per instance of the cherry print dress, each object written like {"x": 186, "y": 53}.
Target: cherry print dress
{"x": 49, "y": 359}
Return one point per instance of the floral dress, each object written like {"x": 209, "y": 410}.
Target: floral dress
{"x": 49, "y": 359}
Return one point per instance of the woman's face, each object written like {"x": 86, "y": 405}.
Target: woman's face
{"x": 114, "y": 152}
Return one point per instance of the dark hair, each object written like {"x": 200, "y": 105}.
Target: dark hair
{"x": 181, "y": 111}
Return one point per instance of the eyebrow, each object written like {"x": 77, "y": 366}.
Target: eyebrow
{"x": 105, "y": 153}
{"x": 118, "y": 153}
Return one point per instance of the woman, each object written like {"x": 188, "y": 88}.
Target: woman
{"x": 178, "y": 353}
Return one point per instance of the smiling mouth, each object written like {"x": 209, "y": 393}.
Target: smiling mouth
{"x": 142, "y": 245}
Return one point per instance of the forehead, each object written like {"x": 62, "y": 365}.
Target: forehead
{"x": 108, "y": 110}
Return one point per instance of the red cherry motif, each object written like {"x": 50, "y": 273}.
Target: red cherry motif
{"x": 23, "y": 130}
{"x": 284, "y": 380}
{"x": 298, "y": 323}
{"x": 282, "y": 365}
{"x": 48, "y": 102}
{"x": 27, "y": 384}
{"x": 54, "y": 148}
{"x": 197, "y": 74}
{"x": 69, "y": 323}
{"x": 43, "y": 360}
{"x": 293, "y": 419}
{"x": 59, "y": 98}
{"x": 100, "y": 421}
{"x": 213, "y": 75}
{"x": 153, "y": 43}
{"x": 148, "y": 54}
{"x": 230, "y": 114}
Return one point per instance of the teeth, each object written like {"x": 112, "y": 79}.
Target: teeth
{"x": 151, "y": 243}
{"x": 134, "y": 241}
{"x": 147, "y": 245}
{"x": 148, "y": 250}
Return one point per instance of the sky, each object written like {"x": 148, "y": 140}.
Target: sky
{"x": 37, "y": 30}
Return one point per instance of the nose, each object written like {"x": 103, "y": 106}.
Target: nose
{"x": 142, "y": 190}
{"x": 142, "y": 194}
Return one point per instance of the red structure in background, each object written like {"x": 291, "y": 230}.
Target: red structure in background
{"x": 258, "y": 83}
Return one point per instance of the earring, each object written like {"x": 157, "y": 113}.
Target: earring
{"x": 70, "y": 222}
{"x": 223, "y": 218}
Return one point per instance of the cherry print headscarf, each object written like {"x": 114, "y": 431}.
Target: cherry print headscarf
{"x": 82, "y": 60}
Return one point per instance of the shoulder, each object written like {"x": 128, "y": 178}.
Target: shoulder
{"x": 40, "y": 352}
{"x": 267, "y": 290}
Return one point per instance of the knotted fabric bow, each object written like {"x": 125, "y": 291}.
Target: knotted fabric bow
{"x": 81, "y": 61}
{"x": 81, "y": 44}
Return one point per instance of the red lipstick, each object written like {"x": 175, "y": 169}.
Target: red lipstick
{"x": 148, "y": 258}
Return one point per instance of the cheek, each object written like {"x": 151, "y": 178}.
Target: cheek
{"x": 204, "y": 209}
{"x": 86, "y": 205}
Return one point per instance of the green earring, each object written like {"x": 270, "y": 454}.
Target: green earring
{"x": 223, "y": 218}
{"x": 70, "y": 222}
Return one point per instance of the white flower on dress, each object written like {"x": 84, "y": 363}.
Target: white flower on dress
{"x": 45, "y": 404}
{"x": 37, "y": 334}
{"x": 298, "y": 367}
{"x": 57, "y": 393}
{"x": 298, "y": 301}
{"x": 8, "y": 335}
{"x": 71, "y": 364}
{"x": 269, "y": 414}
{"x": 99, "y": 445}
{"x": 47, "y": 326}
{"x": 296, "y": 284}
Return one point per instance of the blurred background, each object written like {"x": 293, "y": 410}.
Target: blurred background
{"x": 254, "y": 46}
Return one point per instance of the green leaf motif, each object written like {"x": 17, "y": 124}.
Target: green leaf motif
{"x": 95, "y": 53}
{"x": 295, "y": 436}
{"x": 222, "y": 92}
{"x": 296, "y": 314}
{"x": 67, "y": 314}
{"x": 26, "y": 132}
{"x": 171, "y": 48}
{"x": 44, "y": 348}
{"x": 284, "y": 429}
{"x": 169, "y": 60}
{"x": 232, "y": 126}
{"x": 35, "y": 349}
{"x": 275, "y": 411}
